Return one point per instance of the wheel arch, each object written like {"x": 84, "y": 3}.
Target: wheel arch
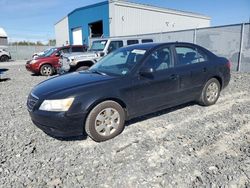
{"x": 115, "y": 99}
{"x": 88, "y": 63}
{"x": 219, "y": 78}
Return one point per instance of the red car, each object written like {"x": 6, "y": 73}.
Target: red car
{"x": 48, "y": 63}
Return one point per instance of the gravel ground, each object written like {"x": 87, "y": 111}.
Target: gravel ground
{"x": 188, "y": 146}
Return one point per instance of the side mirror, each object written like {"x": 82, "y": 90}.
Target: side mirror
{"x": 146, "y": 72}
{"x": 102, "y": 54}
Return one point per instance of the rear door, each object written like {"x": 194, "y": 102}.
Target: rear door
{"x": 192, "y": 67}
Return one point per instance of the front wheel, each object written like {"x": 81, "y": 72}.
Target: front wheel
{"x": 105, "y": 121}
{"x": 46, "y": 70}
{"x": 210, "y": 92}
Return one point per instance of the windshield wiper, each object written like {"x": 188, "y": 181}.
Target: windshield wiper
{"x": 98, "y": 72}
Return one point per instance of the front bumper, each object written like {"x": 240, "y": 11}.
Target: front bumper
{"x": 34, "y": 68}
{"x": 59, "y": 124}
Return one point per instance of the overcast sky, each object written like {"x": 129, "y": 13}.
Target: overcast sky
{"x": 34, "y": 20}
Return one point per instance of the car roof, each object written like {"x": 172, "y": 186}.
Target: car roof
{"x": 152, "y": 45}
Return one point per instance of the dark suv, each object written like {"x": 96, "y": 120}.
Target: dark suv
{"x": 48, "y": 63}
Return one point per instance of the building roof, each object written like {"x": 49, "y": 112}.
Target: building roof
{"x": 159, "y": 9}
{"x": 3, "y": 33}
{"x": 142, "y": 6}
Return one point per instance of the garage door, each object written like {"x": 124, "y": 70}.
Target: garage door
{"x": 77, "y": 36}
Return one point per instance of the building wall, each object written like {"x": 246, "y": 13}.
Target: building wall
{"x": 132, "y": 19}
{"x": 61, "y": 32}
{"x": 83, "y": 16}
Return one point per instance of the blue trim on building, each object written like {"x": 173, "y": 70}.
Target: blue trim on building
{"x": 82, "y": 17}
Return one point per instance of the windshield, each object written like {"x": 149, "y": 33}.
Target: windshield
{"x": 98, "y": 45}
{"x": 120, "y": 62}
{"x": 49, "y": 52}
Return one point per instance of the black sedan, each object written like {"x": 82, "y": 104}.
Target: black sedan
{"x": 129, "y": 82}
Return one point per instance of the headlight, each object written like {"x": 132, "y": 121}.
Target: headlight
{"x": 33, "y": 61}
{"x": 60, "y": 105}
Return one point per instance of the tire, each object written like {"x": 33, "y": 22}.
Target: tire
{"x": 46, "y": 70}
{"x": 210, "y": 92}
{"x": 105, "y": 121}
{"x": 4, "y": 58}
{"x": 82, "y": 68}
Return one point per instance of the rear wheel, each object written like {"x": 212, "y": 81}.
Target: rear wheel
{"x": 46, "y": 70}
{"x": 105, "y": 121}
{"x": 210, "y": 92}
{"x": 4, "y": 58}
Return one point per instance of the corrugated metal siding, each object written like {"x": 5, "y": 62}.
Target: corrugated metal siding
{"x": 132, "y": 20}
{"x": 62, "y": 32}
{"x": 83, "y": 16}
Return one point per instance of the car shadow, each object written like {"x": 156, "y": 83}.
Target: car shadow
{"x": 71, "y": 138}
{"x": 158, "y": 113}
{"x": 130, "y": 122}
{"x": 4, "y": 79}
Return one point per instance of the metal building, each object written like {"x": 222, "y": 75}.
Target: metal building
{"x": 120, "y": 18}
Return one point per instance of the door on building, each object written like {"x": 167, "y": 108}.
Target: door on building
{"x": 77, "y": 36}
{"x": 96, "y": 29}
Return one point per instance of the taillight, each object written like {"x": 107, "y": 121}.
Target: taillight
{"x": 229, "y": 64}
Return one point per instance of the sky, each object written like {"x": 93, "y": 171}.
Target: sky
{"x": 34, "y": 20}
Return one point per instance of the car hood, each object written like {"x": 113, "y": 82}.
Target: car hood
{"x": 87, "y": 55}
{"x": 68, "y": 81}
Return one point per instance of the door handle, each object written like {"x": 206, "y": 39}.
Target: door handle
{"x": 204, "y": 69}
{"x": 173, "y": 77}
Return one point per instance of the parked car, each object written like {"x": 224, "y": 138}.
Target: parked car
{"x": 4, "y": 55}
{"x": 98, "y": 49}
{"x": 129, "y": 82}
{"x": 38, "y": 54}
{"x": 47, "y": 64}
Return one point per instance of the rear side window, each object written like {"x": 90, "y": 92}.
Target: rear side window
{"x": 77, "y": 49}
{"x": 147, "y": 40}
{"x": 188, "y": 55}
{"x": 130, "y": 42}
{"x": 114, "y": 45}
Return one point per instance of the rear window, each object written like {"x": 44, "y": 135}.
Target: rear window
{"x": 146, "y": 40}
{"x": 77, "y": 49}
{"x": 130, "y": 42}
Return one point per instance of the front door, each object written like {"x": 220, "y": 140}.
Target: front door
{"x": 158, "y": 89}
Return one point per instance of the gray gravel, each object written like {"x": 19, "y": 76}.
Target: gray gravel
{"x": 188, "y": 146}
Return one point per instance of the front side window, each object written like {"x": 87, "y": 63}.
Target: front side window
{"x": 120, "y": 62}
{"x": 159, "y": 60}
{"x": 188, "y": 55}
{"x": 114, "y": 45}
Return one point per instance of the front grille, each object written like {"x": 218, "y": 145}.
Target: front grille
{"x": 31, "y": 102}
